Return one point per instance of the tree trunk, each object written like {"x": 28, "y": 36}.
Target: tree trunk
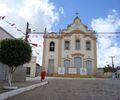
{"x": 10, "y": 77}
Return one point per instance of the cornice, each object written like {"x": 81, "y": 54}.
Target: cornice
{"x": 77, "y": 54}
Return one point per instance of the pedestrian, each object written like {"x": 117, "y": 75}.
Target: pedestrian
{"x": 43, "y": 74}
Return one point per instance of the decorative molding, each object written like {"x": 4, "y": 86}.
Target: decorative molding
{"x": 77, "y": 54}
{"x": 53, "y": 35}
{"x": 91, "y": 36}
{"x": 95, "y": 56}
{"x": 85, "y": 59}
{"x": 67, "y": 58}
{"x": 59, "y": 52}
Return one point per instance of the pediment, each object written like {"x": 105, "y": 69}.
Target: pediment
{"x": 76, "y": 25}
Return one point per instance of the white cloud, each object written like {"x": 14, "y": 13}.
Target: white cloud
{"x": 4, "y": 9}
{"x": 109, "y": 24}
{"x": 39, "y": 13}
{"x": 61, "y": 10}
{"x": 107, "y": 46}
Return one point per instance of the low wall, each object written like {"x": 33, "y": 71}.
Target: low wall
{"x": 108, "y": 74}
{"x": 20, "y": 74}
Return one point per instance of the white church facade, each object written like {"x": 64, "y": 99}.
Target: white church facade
{"x": 71, "y": 51}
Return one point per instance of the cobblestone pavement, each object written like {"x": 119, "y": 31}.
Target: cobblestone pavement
{"x": 63, "y": 89}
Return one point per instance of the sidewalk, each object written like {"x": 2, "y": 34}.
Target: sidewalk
{"x": 19, "y": 84}
{"x": 22, "y": 87}
{"x": 67, "y": 78}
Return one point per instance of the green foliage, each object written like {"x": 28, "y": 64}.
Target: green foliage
{"x": 109, "y": 69}
{"x": 14, "y": 52}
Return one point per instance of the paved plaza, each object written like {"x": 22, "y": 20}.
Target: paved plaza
{"x": 74, "y": 89}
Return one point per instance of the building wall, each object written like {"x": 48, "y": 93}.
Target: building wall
{"x": 32, "y": 66}
{"x": 52, "y": 55}
{"x": 3, "y": 71}
{"x": 4, "y": 34}
{"x": 85, "y": 54}
{"x": 20, "y": 74}
{"x": 118, "y": 73}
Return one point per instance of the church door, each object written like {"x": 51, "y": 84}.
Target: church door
{"x": 66, "y": 65}
{"x": 78, "y": 63}
{"x": 51, "y": 66}
{"x": 89, "y": 66}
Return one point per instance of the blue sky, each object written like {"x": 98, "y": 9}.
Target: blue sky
{"x": 87, "y": 9}
{"x": 98, "y": 15}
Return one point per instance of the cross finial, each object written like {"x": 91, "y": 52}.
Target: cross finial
{"x": 77, "y": 13}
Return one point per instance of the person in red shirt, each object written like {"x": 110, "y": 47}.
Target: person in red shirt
{"x": 43, "y": 74}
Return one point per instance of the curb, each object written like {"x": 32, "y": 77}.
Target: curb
{"x": 20, "y": 90}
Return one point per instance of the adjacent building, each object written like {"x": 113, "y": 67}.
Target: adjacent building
{"x": 20, "y": 73}
{"x": 71, "y": 50}
{"x": 31, "y": 67}
{"x": 4, "y": 34}
{"x": 4, "y": 68}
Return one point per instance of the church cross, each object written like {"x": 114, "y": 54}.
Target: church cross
{"x": 77, "y": 13}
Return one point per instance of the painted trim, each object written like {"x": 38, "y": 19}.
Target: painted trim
{"x": 95, "y": 57}
{"x": 77, "y": 54}
{"x": 44, "y": 54}
{"x": 59, "y": 52}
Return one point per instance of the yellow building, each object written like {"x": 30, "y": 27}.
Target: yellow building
{"x": 71, "y": 51}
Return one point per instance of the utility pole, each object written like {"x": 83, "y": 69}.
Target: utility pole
{"x": 27, "y": 32}
{"x": 112, "y": 61}
{"x": 113, "y": 74}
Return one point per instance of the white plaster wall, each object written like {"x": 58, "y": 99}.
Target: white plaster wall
{"x": 68, "y": 53}
{"x": 4, "y": 35}
{"x": 32, "y": 65}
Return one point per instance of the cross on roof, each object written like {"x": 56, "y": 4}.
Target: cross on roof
{"x": 77, "y": 13}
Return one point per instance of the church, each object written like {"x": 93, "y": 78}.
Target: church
{"x": 71, "y": 50}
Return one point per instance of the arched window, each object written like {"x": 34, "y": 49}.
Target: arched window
{"x": 77, "y": 44}
{"x": 88, "y": 45}
{"x": 52, "y": 46}
{"x": 67, "y": 45}
{"x": 77, "y": 62}
{"x": 66, "y": 63}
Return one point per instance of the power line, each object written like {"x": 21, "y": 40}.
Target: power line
{"x": 11, "y": 24}
{"x": 98, "y": 34}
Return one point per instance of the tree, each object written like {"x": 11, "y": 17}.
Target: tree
{"x": 109, "y": 69}
{"x": 14, "y": 53}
